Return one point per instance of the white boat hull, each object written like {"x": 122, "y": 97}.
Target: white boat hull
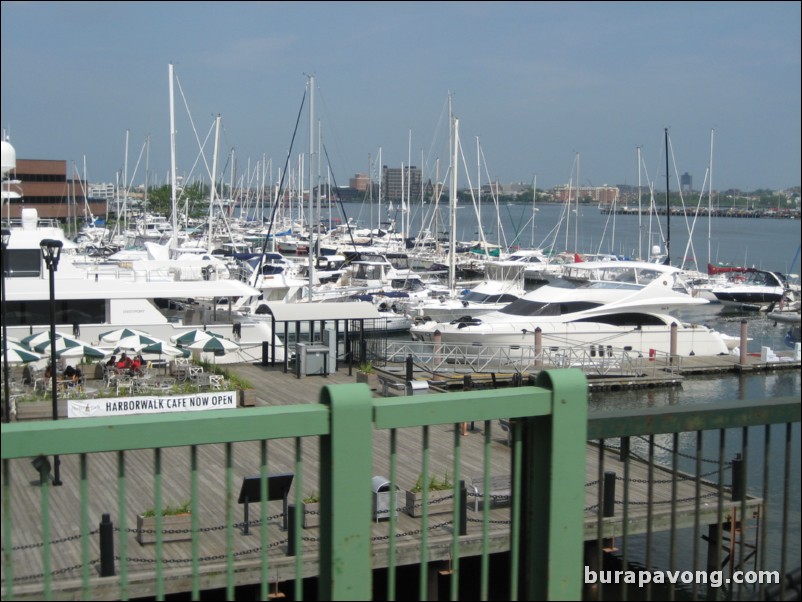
{"x": 692, "y": 339}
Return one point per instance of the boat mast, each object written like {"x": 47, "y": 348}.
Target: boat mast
{"x": 710, "y": 202}
{"x": 479, "y": 188}
{"x": 173, "y": 204}
{"x": 214, "y": 179}
{"x": 381, "y": 179}
{"x": 668, "y": 209}
{"x": 576, "y": 217}
{"x": 640, "y": 214}
{"x": 452, "y": 260}
{"x": 534, "y": 209}
{"x": 311, "y": 181}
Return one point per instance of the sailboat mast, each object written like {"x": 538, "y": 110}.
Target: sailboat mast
{"x": 710, "y": 202}
{"x": 534, "y": 209}
{"x": 479, "y": 185}
{"x": 576, "y": 217}
{"x": 370, "y": 194}
{"x": 173, "y": 204}
{"x": 214, "y": 180}
{"x": 381, "y": 179}
{"x": 668, "y": 208}
{"x": 452, "y": 260}
{"x": 311, "y": 181}
{"x": 640, "y": 214}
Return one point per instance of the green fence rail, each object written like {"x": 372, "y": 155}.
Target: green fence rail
{"x": 107, "y": 461}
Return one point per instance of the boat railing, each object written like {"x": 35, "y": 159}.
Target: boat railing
{"x": 595, "y": 360}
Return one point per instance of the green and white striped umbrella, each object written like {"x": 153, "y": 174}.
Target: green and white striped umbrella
{"x": 135, "y": 342}
{"x": 69, "y": 347}
{"x": 214, "y": 345}
{"x": 156, "y": 348}
{"x": 34, "y": 340}
{"x": 17, "y": 354}
{"x": 193, "y": 336}
{"x": 115, "y": 336}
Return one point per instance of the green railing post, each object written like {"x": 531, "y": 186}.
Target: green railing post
{"x": 553, "y": 491}
{"x": 346, "y": 462}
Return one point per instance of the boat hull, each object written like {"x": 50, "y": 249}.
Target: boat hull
{"x": 692, "y": 339}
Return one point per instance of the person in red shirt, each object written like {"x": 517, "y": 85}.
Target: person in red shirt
{"x": 136, "y": 365}
{"x": 125, "y": 362}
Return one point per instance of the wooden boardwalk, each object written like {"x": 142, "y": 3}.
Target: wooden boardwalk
{"x": 272, "y": 386}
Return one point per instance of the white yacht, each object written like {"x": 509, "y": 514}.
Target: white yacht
{"x": 93, "y": 297}
{"x": 622, "y": 304}
{"x": 485, "y": 297}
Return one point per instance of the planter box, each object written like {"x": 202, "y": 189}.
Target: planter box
{"x": 369, "y": 378}
{"x": 311, "y": 514}
{"x": 177, "y": 527}
{"x": 247, "y": 398}
{"x": 437, "y": 503}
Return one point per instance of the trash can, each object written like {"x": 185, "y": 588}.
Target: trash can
{"x": 417, "y": 387}
{"x": 310, "y": 359}
{"x": 382, "y": 498}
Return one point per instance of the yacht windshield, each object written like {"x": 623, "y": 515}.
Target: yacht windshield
{"x": 524, "y": 307}
{"x": 474, "y": 297}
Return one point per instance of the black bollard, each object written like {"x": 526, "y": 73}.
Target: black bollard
{"x": 290, "y": 516}
{"x": 608, "y": 508}
{"x": 106, "y": 529}
{"x": 265, "y": 353}
{"x": 737, "y": 478}
{"x": 409, "y": 367}
{"x": 623, "y": 453}
{"x": 462, "y": 500}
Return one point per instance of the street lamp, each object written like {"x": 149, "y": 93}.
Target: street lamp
{"x": 51, "y": 252}
{"x": 6, "y": 391}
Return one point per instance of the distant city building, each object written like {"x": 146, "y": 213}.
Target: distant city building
{"x": 391, "y": 183}
{"x": 686, "y": 182}
{"x": 44, "y": 186}
{"x": 603, "y": 195}
{"x": 101, "y": 191}
{"x": 359, "y": 182}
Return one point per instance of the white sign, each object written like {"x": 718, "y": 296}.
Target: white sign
{"x": 157, "y": 404}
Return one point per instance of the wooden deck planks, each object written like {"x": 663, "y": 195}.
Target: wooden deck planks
{"x": 273, "y": 387}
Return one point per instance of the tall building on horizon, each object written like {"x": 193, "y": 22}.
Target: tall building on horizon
{"x": 391, "y": 183}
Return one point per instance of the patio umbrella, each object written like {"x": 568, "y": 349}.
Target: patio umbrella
{"x": 17, "y": 354}
{"x": 114, "y": 336}
{"x": 161, "y": 347}
{"x": 214, "y": 345}
{"x": 193, "y": 336}
{"x": 135, "y": 342}
{"x": 69, "y": 347}
{"x": 34, "y": 340}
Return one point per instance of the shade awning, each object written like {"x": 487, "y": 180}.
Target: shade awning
{"x": 343, "y": 310}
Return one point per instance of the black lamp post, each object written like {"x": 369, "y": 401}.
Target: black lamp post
{"x": 51, "y": 252}
{"x": 6, "y": 391}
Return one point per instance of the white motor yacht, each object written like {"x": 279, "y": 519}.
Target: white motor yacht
{"x": 93, "y": 297}
{"x": 619, "y": 304}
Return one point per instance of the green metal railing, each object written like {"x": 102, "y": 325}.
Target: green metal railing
{"x": 104, "y": 462}
{"x": 736, "y": 460}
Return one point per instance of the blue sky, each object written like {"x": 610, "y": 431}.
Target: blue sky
{"x": 537, "y": 83}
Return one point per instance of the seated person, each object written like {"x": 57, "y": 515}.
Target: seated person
{"x": 137, "y": 364}
{"x": 124, "y": 363}
{"x": 72, "y": 374}
{"x": 27, "y": 375}
{"x": 112, "y": 363}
